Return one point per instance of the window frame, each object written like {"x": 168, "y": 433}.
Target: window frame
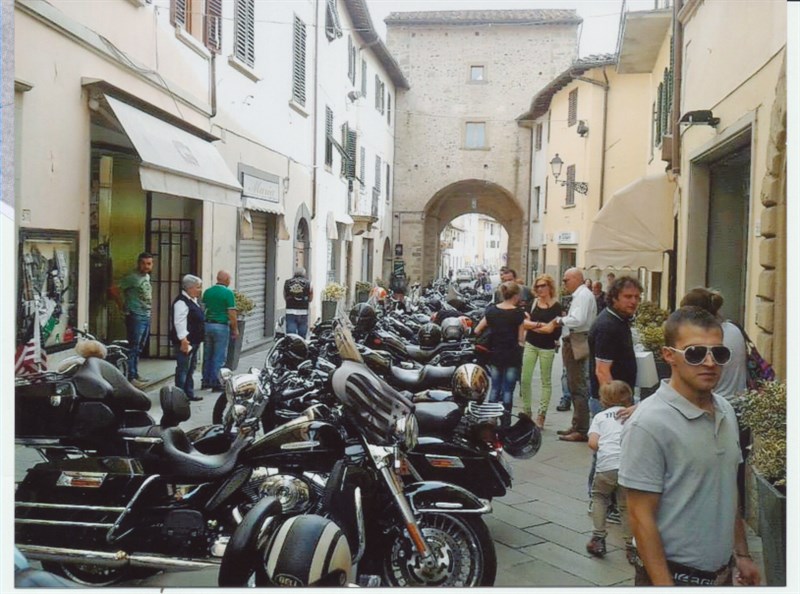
{"x": 572, "y": 108}
{"x": 570, "y": 196}
{"x": 483, "y": 129}
{"x": 477, "y": 81}
{"x": 244, "y": 44}
{"x": 299, "y": 74}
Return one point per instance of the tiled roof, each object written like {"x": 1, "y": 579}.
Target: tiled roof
{"x": 362, "y": 23}
{"x": 541, "y": 101}
{"x": 485, "y": 17}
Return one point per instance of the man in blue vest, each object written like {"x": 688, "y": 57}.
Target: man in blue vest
{"x": 187, "y": 333}
{"x": 298, "y": 293}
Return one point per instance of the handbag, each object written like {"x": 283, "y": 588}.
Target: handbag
{"x": 758, "y": 368}
{"x": 580, "y": 345}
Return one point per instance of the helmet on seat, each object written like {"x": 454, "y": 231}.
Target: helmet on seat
{"x": 452, "y": 329}
{"x": 523, "y": 439}
{"x": 363, "y": 317}
{"x": 470, "y": 383}
{"x": 294, "y": 350}
{"x": 429, "y": 336}
{"x": 307, "y": 551}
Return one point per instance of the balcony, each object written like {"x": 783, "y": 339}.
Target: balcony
{"x": 364, "y": 209}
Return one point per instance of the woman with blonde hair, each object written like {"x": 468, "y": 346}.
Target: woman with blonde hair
{"x": 505, "y": 352}
{"x": 540, "y": 346}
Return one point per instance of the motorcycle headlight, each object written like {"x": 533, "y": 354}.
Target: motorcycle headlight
{"x": 243, "y": 388}
{"x": 406, "y": 431}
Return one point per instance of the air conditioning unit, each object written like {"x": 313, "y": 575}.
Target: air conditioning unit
{"x": 354, "y": 95}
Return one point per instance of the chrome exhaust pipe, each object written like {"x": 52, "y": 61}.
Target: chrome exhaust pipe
{"x": 115, "y": 559}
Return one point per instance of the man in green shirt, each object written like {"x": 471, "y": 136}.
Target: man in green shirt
{"x": 134, "y": 296}
{"x": 221, "y": 326}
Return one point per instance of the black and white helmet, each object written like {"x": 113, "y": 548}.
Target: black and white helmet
{"x": 429, "y": 336}
{"x": 308, "y": 551}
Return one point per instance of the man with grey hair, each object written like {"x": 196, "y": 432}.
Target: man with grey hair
{"x": 187, "y": 332}
{"x": 298, "y": 293}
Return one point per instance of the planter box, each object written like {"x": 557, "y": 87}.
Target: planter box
{"x": 329, "y": 310}
{"x": 362, "y": 296}
{"x": 772, "y": 529}
{"x": 235, "y": 348}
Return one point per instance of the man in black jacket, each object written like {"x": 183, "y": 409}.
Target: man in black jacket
{"x": 298, "y": 293}
{"x": 187, "y": 333}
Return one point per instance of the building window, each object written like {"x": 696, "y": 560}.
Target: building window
{"x": 380, "y": 90}
{"x": 366, "y": 260}
{"x": 572, "y": 115}
{"x": 538, "y": 137}
{"x": 333, "y": 27}
{"x": 537, "y": 192}
{"x": 363, "y": 77}
{"x": 546, "y": 192}
{"x": 388, "y": 180}
{"x": 362, "y": 168}
{"x": 477, "y": 73}
{"x": 571, "y": 185}
{"x": 350, "y": 142}
{"x": 351, "y": 60}
{"x": 476, "y": 135}
{"x": 378, "y": 174}
{"x": 202, "y": 19}
{"x": 299, "y": 63}
{"x": 328, "y": 136}
{"x": 389, "y": 108}
{"x": 244, "y": 32}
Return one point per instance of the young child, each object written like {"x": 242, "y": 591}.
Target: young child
{"x": 604, "y": 437}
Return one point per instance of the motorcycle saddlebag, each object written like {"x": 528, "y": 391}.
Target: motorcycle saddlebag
{"x": 43, "y": 408}
{"x": 74, "y": 503}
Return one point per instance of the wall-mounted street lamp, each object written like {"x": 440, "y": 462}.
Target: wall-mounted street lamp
{"x": 556, "y": 164}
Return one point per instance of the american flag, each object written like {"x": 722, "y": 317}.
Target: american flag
{"x": 30, "y": 357}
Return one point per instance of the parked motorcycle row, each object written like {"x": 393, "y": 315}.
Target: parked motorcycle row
{"x": 372, "y": 440}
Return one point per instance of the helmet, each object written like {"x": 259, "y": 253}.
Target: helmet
{"x": 308, "y": 551}
{"x": 452, "y": 329}
{"x": 434, "y": 303}
{"x": 470, "y": 383}
{"x": 523, "y": 439}
{"x": 363, "y": 317}
{"x": 294, "y": 350}
{"x": 378, "y": 293}
{"x": 429, "y": 336}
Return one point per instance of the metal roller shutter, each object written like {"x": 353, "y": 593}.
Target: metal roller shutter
{"x": 253, "y": 280}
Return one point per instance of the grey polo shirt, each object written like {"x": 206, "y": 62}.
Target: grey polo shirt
{"x": 672, "y": 447}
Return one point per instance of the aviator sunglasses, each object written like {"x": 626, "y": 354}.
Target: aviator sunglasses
{"x": 695, "y": 355}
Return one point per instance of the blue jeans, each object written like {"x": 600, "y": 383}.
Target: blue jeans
{"x": 138, "y": 330}
{"x": 566, "y": 397}
{"x": 215, "y": 350}
{"x": 184, "y": 371}
{"x": 504, "y": 380}
{"x": 297, "y": 324}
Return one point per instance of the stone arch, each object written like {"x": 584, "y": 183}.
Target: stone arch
{"x": 302, "y": 238}
{"x": 465, "y": 197}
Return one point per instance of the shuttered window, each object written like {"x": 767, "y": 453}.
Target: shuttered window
{"x": 178, "y": 10}
{"x": 571, "y": 185}
{"x": 659, "y": 129}
{"x": 377, "y": 92}
{"x": 213, "y": 28}
{"x": 363, "y": 77}
{"x": 538, "y": 137}
{"x": 389, "y": 108}
{"x": 362, "y": 168}
{"x": 378, "y": 174}
{"x": 666, "y": 100}
{"x": 572, "y": 115}
{"x": 388, "y": 180}
{"x": 333, "y": 27}
{"x": 350, "y": 141}
{"x": 328, "y": 136}
{"x": 351, "y": 60}
{"x": 299, "y": 63}
{"x": 244, "y": 34}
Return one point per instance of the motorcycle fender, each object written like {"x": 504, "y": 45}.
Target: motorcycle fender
{"x": 435, "y": 496}
{"x": 242, "y": 554}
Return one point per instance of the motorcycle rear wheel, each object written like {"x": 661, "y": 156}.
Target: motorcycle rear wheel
{"x": 462, "y": 547}
{"x": 94, "y": 575}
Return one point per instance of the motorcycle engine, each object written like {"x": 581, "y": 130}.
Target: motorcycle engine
{"x": 297, "y": 493}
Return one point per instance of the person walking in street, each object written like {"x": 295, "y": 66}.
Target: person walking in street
{"x": 540, "y": 346}
{"x": 509, "y": 274}
{"x": 599, "y": 296}
{"x": 187, "y": 333}
{"x": 221, "y": 325}
{"x": 504, "y": 320}
{"x": 604, "y": 438}
{"x": 575, "y": 351}
{"x": 678, "y": 461}
{"x": 298, "y": 293}
{"x": 134, "y": 296}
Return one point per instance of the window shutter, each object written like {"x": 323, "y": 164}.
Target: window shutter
{"x": 389, "y": 108}
{"x": 362, "y": 168}
{"x": 383, "y": 95}
{"x": 363, "y": 77}
{"x": 571, "y": 185}
{"x": 328, "y": 136}
{"x": 244, "y": 32}
{"x": 333, "y": 27}
{"x": 378, "y": 174}
{"x": 177, "y": 13}
{"x": 299, "y": 65}
{"x": 351, "y": 60}
{"x": 213, "y": 29}
{"x": 538, "y": 144}
{"x": 377, "y": 93}
{"x": 350, "y": 148}
{"x": 572, "y": 116}
{"x": 388, "y": 180}
{"x": 659, "y": 114}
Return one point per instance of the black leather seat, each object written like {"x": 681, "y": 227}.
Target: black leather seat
{"x": 181, "y": 460}
{"x": 437, "y": 418}
{"x": 424, "y": 378}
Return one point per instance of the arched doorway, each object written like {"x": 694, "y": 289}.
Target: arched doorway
{"x": 386, "y": 269}
{"x": 301, "y": 245}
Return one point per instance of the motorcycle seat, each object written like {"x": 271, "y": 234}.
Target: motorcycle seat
{"x": 143, "y": 431}
{"x": 89, "y": 381}
{"x": 426, "y": 377}
{"x": 100, "y": 380}
{"x": 182, "y": 461}
{"x": 437, "y": 418}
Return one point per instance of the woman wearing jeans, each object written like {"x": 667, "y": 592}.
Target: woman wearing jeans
{"x": 504, "y": 320}
{"x": 540, "y": 346}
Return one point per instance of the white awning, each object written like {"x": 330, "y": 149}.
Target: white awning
{"x": 251, "y": 203}
{"x": 634, "y": 228}
{"x": 330, "y": 225}
{"x": 174, "y": 161}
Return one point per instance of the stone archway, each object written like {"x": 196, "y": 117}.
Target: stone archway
{"x": 420, "y": 234}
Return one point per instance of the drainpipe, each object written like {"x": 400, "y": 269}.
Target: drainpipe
{"x": 315, "y": 164}
{"x": 603, "y": 151}
{"x": 212, "y": 79}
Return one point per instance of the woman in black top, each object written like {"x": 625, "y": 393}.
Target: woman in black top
{"x": 540, "y": 346}
{"x": 505, "y": 358}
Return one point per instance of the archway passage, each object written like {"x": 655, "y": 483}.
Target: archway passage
{"x": 463, "y": 197}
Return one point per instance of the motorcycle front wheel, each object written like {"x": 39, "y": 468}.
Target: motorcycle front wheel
{"x": 463, "y": 553}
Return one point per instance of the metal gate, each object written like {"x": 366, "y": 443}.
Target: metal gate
{"x": 172, "y": 243}
{"x": 256, "y": 265}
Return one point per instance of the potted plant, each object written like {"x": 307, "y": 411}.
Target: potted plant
{"x": 244, "y": 305}
{"x": 763, "y": 411}
{"x": 649, "y": 325}
{"x": 362, "y": 291}
{"x": 332, "y": 294}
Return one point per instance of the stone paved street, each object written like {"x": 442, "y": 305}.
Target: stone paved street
{"x": 540, "y": 527}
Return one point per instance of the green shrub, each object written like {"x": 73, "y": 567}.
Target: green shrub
{"x": 333, "y": 292}
{"x": 244, "y": 305}
{"x": 763, "y": 410}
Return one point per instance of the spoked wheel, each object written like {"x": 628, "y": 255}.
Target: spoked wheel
{"x": 93, "y": 575}
{"x": 463, "y": 553}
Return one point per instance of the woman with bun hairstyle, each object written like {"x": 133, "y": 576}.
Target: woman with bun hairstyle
{"x": 505, "y": 345}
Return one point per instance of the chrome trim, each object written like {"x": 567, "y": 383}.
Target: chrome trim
{"x": 112, "y": 559}
{"x": 62, "y": 523}
{"x": 143, "y": 439}
{"x": 145, "y": 484}
{"x": 362, "y": 539}
{"x": 68, "y": 506}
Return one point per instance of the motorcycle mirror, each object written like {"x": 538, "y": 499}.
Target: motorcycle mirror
{"x": 225, "y": 374}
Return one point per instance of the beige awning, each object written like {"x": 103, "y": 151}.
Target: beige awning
{"x": 634, "y": 228}
{"x": 174, "y": 161}
{"x": 260, "y": 205}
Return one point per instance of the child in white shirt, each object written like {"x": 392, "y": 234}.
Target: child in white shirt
{"x": 604, "y": 437}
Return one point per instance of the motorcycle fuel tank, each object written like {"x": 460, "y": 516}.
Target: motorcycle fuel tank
{"x": 310, "y": 444}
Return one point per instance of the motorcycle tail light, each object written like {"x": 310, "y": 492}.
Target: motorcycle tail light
{"x": 85, "y": 480}
{"x": 444, "y": 461}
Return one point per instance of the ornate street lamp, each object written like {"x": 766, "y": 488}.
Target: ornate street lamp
{"x": 556, "y": 164}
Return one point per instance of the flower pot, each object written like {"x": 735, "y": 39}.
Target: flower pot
{"x": 329, "y": 310}
{"x": 235, "y": 348}
{"x": 772, "y": 529}
{"x": 362, "y": 296}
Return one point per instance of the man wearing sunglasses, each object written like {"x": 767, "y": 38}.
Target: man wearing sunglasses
{"x": 679, "y": 459}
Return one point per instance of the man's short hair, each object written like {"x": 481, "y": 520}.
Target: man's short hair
{"x": 144, "y": 256}
{"x": 689, "y": 315}
{"x": 620, "y": 285}
{"x": 190, "y": 280}
{"x": 299, "y": 271}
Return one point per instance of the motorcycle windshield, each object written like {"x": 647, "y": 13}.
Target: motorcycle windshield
{"x": 345, "y": 343}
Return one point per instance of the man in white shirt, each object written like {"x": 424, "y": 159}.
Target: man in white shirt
{"x": 187, "y": 333}
{"x": 575, "y": 351}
